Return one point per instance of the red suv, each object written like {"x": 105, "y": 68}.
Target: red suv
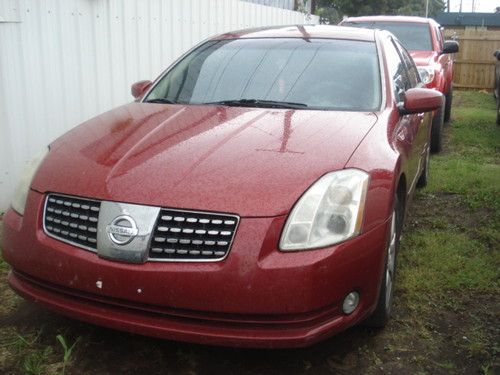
{"x": 424, "y": 39}
{"x": 253, "y": 195}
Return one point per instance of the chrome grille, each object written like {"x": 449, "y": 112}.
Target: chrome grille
{"x": 191, "y": 235}
{"x": 72, "y": 220}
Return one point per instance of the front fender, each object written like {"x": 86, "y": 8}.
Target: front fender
{"x": 378, "y": 155}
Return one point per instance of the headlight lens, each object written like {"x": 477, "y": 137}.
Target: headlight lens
{"x": 21, "y": 193}
{"x": 426, "y": 74}
{"x": 329, "y": 212}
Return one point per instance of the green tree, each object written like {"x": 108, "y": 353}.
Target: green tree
{"x": 332, "y": 11}
{"x": 328, "y": 15}
{"x": 417, "y": 8}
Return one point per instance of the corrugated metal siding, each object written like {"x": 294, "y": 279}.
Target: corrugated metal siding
{"x": 284, "y": 4}
{"x": 64, "y": 61}
{"x": 9, "y": 11}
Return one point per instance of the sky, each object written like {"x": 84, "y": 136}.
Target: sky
{"x": 486, "y": 6}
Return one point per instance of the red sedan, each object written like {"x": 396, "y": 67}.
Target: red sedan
{"x": 253, "y": 195}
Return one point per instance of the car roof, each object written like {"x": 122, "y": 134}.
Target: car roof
{"x": 303, "y": 32}
{"x": 407, "y": 19}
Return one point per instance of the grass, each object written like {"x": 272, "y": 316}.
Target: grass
{"x": 447, "y": 291}
{"x": 471, "y": 167}
{"x": 3, "y": 266}
{"x": 455, "y": 251}
{"x": 449, "y": 257}
{"x": 440, "y": 261}
{"x": 31, "y": 355}
{"x": 68, "y": 351}
{"x": 35, "y": 362}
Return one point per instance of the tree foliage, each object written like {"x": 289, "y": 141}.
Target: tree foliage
{"x": 332, "y": 11}
{"x": 417, "y": 8}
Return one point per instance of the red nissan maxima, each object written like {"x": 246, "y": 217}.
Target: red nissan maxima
{"x": 253, "y": 195}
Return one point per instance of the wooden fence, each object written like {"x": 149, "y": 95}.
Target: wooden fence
{"x": 474, "y": 64}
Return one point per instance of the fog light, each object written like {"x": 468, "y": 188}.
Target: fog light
{"x": 350, "y": 302}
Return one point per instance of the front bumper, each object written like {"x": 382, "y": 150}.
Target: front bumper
{"x": 257, "y": 297}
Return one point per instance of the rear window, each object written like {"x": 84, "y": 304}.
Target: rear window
{"x": 320, "y": 73}
{"x": 414, "y": 36}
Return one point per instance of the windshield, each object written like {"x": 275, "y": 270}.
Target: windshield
{"x": 311, "y": 74}
{"x": 414, "y": 36}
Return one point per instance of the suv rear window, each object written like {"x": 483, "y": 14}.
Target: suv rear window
{"x": 414, "y": 36}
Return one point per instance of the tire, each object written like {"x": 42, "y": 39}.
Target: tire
{"x": 447, "y": 105}
{"x": 437, "y": 131}
{"x": 382, "y": 312}
{"x": 424, "y": 177}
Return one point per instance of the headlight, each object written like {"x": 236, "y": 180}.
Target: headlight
{"x": 21, "y": 193}
{"x": 426, "y": 74}
{"x": 329, "y": 212}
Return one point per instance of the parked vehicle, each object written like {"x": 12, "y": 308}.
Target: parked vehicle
{"x": 496, "y": 90}
{"x": 253, "y": 195}
{"x": 424, "y": 39}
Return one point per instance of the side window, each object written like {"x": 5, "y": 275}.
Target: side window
{"x": 413, "y": 74}
{"x": 397, "y": 71}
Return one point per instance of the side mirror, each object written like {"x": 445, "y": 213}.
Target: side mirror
{"x": 140, "y": 88}
{"x": 450, "y": 46}
{"x": 497, "y": 54}
{"x": 421, "y": 100}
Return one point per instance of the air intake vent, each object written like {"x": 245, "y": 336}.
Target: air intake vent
{"x": 190, "y": 235}
{"x": 72, "y": 220}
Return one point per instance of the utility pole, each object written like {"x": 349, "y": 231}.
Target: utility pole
{"x": 427, "y": 8}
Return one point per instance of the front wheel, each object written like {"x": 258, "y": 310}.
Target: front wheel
{"x": 382, "y": 312}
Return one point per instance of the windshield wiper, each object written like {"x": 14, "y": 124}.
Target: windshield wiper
{"x": 160, "y": 100}
{"x": 259, "y": 103}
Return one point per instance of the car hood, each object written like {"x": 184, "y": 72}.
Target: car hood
{"x": 248, "y": 161}
{"x": 423, "y": 58}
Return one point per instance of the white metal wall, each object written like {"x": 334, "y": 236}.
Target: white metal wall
{"x": 64, "y": 61}
{"x": 285, "y": 4}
